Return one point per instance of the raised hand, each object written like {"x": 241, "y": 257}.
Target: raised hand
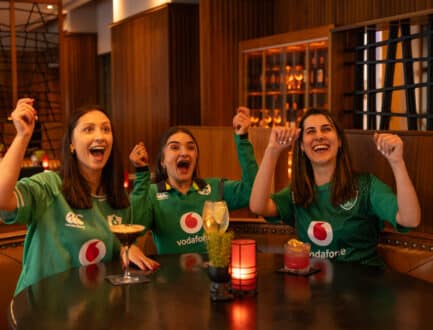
{"x": 282, "y": 138}
{"x": 390, "y": 146}
{"x": 24, "y": 117}
{"x": 241, "y": 121}
{"x": 139, "y": 156}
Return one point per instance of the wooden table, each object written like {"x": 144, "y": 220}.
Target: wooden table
{"x": 340, "y": 296}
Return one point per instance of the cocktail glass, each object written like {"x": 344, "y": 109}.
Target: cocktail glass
{"x": 215, "y": 216}
{"x": 127, "y": 234}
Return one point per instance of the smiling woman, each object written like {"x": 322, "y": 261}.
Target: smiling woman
{"x": 67, "y": 213}
{"x": 339, "y": 212}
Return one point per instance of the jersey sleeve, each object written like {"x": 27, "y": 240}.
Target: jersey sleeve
{"x": 237, "y": 193}
{"x": 384, "y": 204}
{"x": 34, "y": 194}
{"x": 284, "y": 203}
{"x": 141, "y": 204}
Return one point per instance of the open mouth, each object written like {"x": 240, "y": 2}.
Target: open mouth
{"x": 97, "y": 151}
{"x": 320, "y": 147}
{"x": 183, "y": 164}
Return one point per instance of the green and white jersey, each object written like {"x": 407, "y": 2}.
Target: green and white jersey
{"x": 349, "y": 232}
{"x": 175, "y": 219}
{"x": 58, "y": 236}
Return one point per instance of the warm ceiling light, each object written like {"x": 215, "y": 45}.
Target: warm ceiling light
{"x": 50, "y": 7}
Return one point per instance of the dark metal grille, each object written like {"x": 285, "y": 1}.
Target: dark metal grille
{"x": 405, "y": 49}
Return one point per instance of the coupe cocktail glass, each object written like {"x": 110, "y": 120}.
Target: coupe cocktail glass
{"x": 127, "y": 234}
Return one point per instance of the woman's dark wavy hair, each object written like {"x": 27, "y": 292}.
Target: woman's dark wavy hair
{"x": 343, "y": 182}
{"x": 74, "y": 187}
{"x": 160, "y": 172}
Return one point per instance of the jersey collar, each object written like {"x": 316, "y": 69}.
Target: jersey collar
{"x": 197, "y": 184}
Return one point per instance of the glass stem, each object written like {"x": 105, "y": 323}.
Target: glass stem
{"x": 126, "y": 273}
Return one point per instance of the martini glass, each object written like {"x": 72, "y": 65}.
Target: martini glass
{"x": 127, "y": 234}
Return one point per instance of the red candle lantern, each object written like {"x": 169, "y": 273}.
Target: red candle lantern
{"x": 45, "y": 162}
{"x": 243, "y": 266}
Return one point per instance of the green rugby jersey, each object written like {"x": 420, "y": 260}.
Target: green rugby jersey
{"x": 348, "y": 232}
{"x": 174, "y": 218}
{"x": 58, "y": 236}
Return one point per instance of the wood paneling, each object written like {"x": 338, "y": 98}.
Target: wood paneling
{"x": 80, "y": 70}
{"x": 296, "y": 15}
{"x": 222, "y": 25}
{"x": 184, "y": 65}
{"x": 154, "y": 81}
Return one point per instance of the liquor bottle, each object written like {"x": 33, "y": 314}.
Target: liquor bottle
{"x": 313, "y": 70}
{"x": 320, "y": 73}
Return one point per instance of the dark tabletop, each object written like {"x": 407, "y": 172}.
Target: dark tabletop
{"x": 340, "y": 296}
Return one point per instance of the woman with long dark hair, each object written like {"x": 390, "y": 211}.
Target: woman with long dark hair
{"x": 174, "y": 202}
{"x": 339, "y": 212}
{"x": 67, "y": 213}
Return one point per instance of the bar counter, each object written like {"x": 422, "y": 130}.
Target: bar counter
{"x": 340, "y": 296}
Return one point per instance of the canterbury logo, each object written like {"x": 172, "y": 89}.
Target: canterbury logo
{"x": 205, "y": 191}
{"x": 74, "y": 220}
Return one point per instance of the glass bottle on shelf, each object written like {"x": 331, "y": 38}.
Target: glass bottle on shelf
{"x": 281, "y": 80}
{"x": 320, "y": 72}
{"x": 313, "y": 69}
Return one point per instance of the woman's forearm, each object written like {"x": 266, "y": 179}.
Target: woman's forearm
{"x": 10, "y": 167}
{"x": 260, "y": 202}
{"x": 409, "y": 210}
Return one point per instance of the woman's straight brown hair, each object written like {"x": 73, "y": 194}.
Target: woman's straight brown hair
{"x": 343, "y": 182}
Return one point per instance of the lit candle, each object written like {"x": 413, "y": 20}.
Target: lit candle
{"x": 126, "y": 180}
{"x": 45, "y": 162}
{"x": 243, "y": 265}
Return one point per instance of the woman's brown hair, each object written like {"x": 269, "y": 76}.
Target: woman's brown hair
{"x": 74, "y": 187}
{"x": 343, "y": 183}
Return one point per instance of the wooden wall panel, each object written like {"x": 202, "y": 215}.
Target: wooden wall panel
{"x": 140, "y": 87}
{"x": 80, "y": 70}
{"x": 184, "y": 65}
{"x": 155, "y": 77}
{"x": 297, "y": 15}
{"x": 222, "y": 25}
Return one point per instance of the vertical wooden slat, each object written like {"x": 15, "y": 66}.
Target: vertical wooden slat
{"x": 389, "y": 74}
{"x": 430, "y": 75}
{"x": 408, "y": 75}
{"x": 358, "y": 78}
{"x": 371, "y": 77}
{"x": 14, "y": 79}
{"x": 62, "y": 83}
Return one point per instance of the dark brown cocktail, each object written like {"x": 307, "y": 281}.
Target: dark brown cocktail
{"x": 127, "y": 233}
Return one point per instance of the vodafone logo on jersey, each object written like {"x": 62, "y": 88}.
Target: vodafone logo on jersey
{"x": 92, "y": 252}
{"x": 320, "y": 233}
{"x": 191, "y": 222}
